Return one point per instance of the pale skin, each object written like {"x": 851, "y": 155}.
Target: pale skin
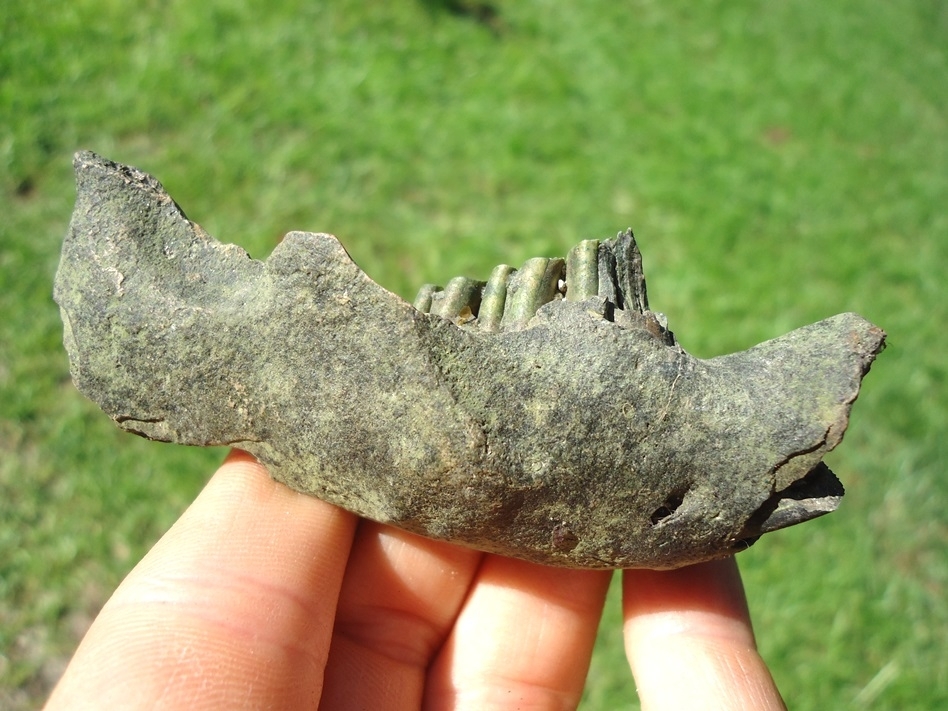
{"x": 263, "y": 598}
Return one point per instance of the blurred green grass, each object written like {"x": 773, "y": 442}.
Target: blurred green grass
{"x": 779, "y": 163}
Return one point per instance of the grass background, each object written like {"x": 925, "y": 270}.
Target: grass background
{"x": 780, "y": 162}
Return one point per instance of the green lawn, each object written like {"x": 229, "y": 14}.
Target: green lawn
{"x": 779, "y": 162}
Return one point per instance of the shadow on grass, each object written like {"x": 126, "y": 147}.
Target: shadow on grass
{"x": 482, "y": 13}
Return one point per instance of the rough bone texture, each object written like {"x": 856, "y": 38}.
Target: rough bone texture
{"x": 573, "y": 432}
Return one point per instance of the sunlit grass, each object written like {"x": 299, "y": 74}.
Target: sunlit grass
{"x": 779, "y": 163}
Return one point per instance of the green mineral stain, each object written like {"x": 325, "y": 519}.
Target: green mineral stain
{"x": 458, "y": 293}
{"x": 424, "y": 298}
{"x": 582, "y": 271}
{"x": 494, "y": 298}
{"x": 535, "y": 284}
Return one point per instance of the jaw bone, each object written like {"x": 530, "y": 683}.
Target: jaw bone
{"x": 544, "y": 413}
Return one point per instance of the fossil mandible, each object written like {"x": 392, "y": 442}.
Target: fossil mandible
{"x": 545, "y": 414}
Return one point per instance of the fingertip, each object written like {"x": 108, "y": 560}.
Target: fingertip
{"x": 236, "y": 455}
{"x": 244, "y": 471}
{"x": 703, "y": 599}
{"x": 523, "y": 637}
{"x": 689, "y": 640}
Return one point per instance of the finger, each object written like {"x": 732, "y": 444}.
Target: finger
{"x": 523, "y": 639}
{"x": 399, "y": 598}
{"x": 689, "y": 640}
{"x": 233, "y": 608}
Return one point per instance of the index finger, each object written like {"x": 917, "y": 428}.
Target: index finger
{"x": 232, "y": 608}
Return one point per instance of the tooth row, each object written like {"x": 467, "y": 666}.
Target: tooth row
{"x": 510, "y": 297}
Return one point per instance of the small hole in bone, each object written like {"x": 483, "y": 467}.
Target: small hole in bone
{"x": 562, "y": 538}
{"x": 671, "y": 505}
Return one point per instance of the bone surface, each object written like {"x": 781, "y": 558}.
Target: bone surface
{"x": 543, "y": 413}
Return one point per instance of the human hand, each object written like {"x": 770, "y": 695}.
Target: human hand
{"x": 261, "y": 597}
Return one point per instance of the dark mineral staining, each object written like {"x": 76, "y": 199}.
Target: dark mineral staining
{"x": 563, "y": 539}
